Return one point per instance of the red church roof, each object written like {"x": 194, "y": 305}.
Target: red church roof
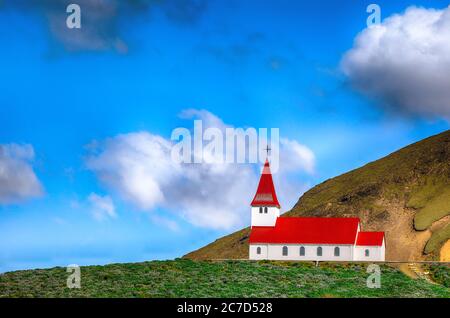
{"x": 265, "y": 194}
{"x": 299, "y": 230}
{"x": 370, "y": 239}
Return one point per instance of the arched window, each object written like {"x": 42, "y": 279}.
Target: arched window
{"x": 265, "y": 209}
{"x": 319, "y": 251}
{"x": 366, "y": 252}
{"x": 285, "y": 251}
{"x": 260, "y": 209}
{"x": 258, "y": 250}
{"x": 337, "y": 252}
{"x": 302, "y": 251}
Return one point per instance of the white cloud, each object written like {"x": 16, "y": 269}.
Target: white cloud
{"x": 18, "y": 182}
{"x": 138, "y": 167}
{"x": 102, "y": 207}
{"x": 405, "y": 62}
{"x": 295, "y": 156}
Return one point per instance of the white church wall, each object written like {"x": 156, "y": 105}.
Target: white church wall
{"x": 376, "y": 253}
{"x": 275, "y": 252}
{"x": 265, "y": 219}
{"x": 253, "y": 251}
{"x": 346, "y": 252}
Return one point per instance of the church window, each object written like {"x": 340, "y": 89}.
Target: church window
{"x": 260, "y": 209}
{"x": 302, "y": 251}
{"x": 258, "y": 250}
{"x": 319, "y": 251}
{"x": 285, "y": 251}
{"x": 337, "y": 252}
{"x": 366, "y": 252}
{"x": 265, "y": 209}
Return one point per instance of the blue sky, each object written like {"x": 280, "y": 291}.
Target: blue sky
{"x": 249, "y": 63}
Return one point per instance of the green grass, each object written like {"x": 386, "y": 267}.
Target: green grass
{"x": 432, "y": 207}
{"x": 440, "y": 274}
{"x": 423, "y": 192}
{"x": 186, "y": 278}
{"x": 438, "y": 239}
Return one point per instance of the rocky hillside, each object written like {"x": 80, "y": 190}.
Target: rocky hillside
{"x": 406, "y": 194}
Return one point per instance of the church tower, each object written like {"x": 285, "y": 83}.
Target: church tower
{"x": 265, "y": 205}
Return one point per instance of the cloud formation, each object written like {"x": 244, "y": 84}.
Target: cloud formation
{"x": 138, "y": 167}
{"x": 102, "y": 207}
{"x": 404, "y": 62}
{"x": 102, "y": 19}
{"x": 18, "y": 182}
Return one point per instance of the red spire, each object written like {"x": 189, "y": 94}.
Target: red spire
{"x": 266, "y": 195}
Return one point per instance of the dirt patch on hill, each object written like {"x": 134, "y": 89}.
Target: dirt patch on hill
{"x": 445, "y": 252}
{"x": 403, "y": 243}
{"x": 407, "y": 270}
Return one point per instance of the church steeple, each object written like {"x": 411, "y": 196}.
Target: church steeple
{"x": 265, "y": 194}
{"x": 265, "y": 205}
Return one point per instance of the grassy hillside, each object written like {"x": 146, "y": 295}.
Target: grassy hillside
{"x": 185, "y": 278}
{"x": 406, "y": 194}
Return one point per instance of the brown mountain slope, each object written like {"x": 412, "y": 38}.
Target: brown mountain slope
{"x": 406, "y": 194}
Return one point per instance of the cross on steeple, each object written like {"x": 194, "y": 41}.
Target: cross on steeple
{"x": 267, "y": 149}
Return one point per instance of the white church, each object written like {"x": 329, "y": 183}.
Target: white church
{"x": 306, "y": 238}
